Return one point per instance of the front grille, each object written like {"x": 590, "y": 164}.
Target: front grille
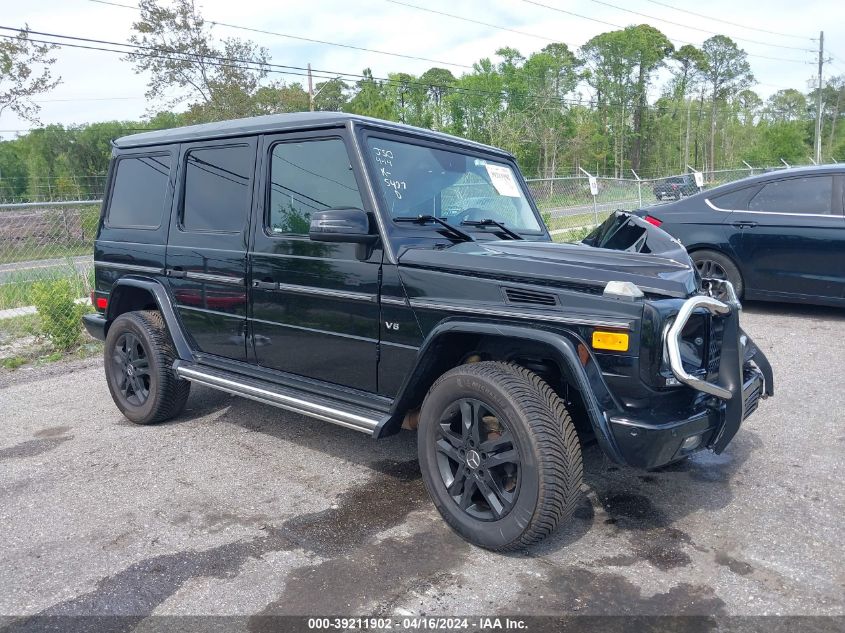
{"x": 752, "y": 400}
{"x": 714, "y": 346}
{"x": 532, "y": 297}
{"x": 701, "y": 345}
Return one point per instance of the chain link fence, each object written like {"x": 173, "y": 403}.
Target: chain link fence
{"x": 46, "y": 276}
{"x": 46, "y": 245}
{"x": 53, "y": 188}
{"x": 570, "y": 210}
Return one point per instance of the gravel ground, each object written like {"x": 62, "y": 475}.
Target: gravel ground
{"x": 239, "y": 508}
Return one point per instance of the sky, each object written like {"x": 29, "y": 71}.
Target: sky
{"x": 99, "y": 86}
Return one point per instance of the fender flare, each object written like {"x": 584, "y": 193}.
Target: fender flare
{"x": 586, "y": 377}
{"x": 165, "y": 307}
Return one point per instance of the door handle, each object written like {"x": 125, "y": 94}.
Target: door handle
{"x": 265, "y": 284}
{"x": 175, "y": 272}
{"x": 744, "y": 224}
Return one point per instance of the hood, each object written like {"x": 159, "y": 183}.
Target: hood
{"x": 632, "y": 251}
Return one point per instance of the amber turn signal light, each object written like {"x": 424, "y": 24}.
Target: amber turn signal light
{"x": 613, "y": 341}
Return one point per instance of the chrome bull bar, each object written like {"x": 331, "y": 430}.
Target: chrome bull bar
{"x": 673, "y": 339}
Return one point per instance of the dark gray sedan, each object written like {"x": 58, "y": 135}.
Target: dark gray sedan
{"x": 779, "y": 236}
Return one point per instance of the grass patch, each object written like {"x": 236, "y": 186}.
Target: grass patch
{"x": 19, "y": 327}
{"x": 574, "y": 235}
{"x": 13, "y": 362}
{"x": 23, "y": 343}
{"x": 572, "y": 221}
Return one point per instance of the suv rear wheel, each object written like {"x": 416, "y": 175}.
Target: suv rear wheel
{"x": 499, "y": 455}
{"x": 139, "y": 368}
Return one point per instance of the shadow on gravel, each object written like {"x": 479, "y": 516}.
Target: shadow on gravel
{"x": 644, "y": 506}
{"x": 332, "y": 440}
{"x": 339, "y": 536}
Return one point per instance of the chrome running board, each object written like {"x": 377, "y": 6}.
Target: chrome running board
{"x": 322, "y": 408}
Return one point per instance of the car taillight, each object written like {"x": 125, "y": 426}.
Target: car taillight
{"x": 101, "y": 302}
{"x": 652, "y": 220}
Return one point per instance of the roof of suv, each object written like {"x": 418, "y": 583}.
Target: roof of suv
{"x": 280, "y": 123}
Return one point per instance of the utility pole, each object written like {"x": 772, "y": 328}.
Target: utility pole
{"x": 311, "y": 89}
{"x": 819, "y": 100}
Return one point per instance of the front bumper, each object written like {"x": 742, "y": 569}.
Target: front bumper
{"x": 646, "y": 444}
{"x": 95, "y": 325}
{"x": 744, "y": 377}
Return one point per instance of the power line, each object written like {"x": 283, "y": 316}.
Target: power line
{"x": 307, "y": 39}
{"x": 292, "y": 70}
{"x": 742, "y": 26}
{"x": 576, "y": 15}
{"x": 266, "y": 66}
{"x": 695, "y": 28}
{"x": 504, "y": 28}
{"x": 217, "y": 61}
{"x": 673, "y": 40}
{"x": 459, "y": 17}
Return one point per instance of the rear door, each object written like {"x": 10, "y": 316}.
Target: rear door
{"x": 792, "y": 237}
{"x": 206, "y": 251}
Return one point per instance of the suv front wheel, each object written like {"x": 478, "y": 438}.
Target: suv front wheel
{"x": 139, "y": 360}
{"x": 499, "y": 455}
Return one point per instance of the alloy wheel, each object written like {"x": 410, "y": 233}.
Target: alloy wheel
{"x": 131, "y": 369}
{"x": 478, "y": 460}
{"x": 709, "y": 269}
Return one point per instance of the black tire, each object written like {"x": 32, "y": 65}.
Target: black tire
{"x": 714, "y": 264}
{"x": 536, "y": 483}
{"x": 139, "y": 359}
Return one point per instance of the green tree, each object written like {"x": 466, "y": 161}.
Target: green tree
{"x": 439, "y": 84}
{"x": 372, "y": 99}
{"x": 24, "y": 73}
{"x": 686, "y": 76}
{"x": 611, "y": 66}
{"x": 727, "y": 72}
{"x": 787, "y": 105}
{"x": 331, "y": 95}
{"x": 280, "y": 97}
{"x": 550, "y": 76}
{"x": 218, "y": 79}
{"x": 649, "y": 48}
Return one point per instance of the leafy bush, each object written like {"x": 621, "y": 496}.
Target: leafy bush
{"x": 59, "y": 312}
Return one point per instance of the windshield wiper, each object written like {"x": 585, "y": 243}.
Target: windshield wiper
{"x": 488, "y": 222}
{"x": 454, "y": 231}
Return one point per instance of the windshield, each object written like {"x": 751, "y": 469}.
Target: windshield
{"x": 414, "y": 180}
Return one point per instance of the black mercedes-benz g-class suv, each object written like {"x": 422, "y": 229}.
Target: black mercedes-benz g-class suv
{"x": 376, "y": 276}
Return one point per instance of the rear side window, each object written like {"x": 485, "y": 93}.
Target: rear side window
{"x": 811, "y": 194}
{"x": 217, "y": 189}
{"x": 733, "y": 200}
{"x": 140, "y": 189}
{"x": 309, "y": 176}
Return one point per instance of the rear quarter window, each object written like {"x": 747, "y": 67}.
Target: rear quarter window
{"x": 736, "y": 200}
{"x": 139, "y": 192}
